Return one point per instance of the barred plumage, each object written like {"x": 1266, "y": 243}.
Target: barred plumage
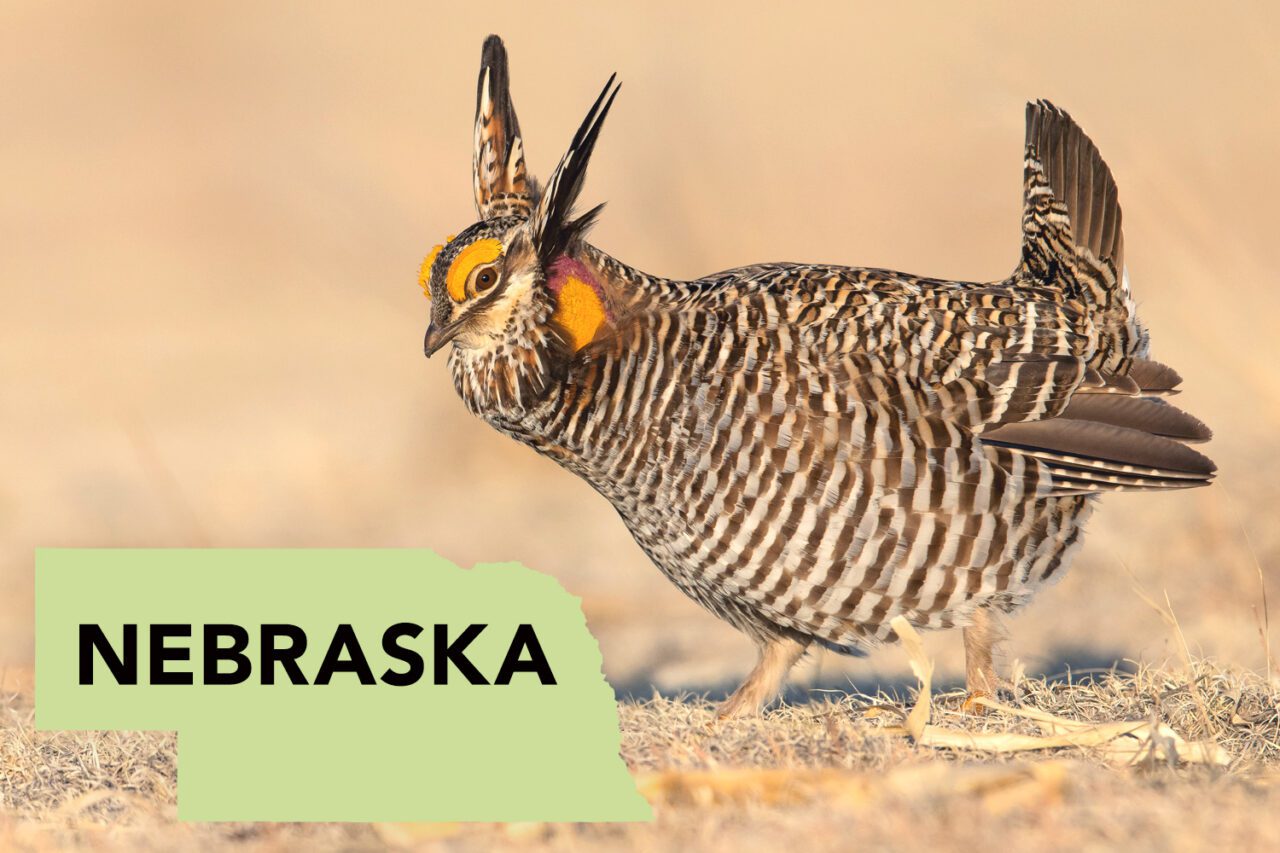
{"x": 810, "y": 450}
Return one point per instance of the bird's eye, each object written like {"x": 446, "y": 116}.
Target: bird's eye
{"x": 486, "y": 278}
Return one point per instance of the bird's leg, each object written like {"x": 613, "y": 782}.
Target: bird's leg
{"x": 777, "y": 656}
{"x": 981, "y": 641}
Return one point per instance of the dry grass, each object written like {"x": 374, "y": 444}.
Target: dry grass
{"x": 1244, "y": 719}
{"x": 832, "y": 768}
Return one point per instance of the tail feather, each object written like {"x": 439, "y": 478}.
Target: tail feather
{"x": 1142, "y": 413}
{"x": 1154, "y": 378}
{"x": 1116, "y": 433}
{"x": 1072, "y": 238}
{"x": 1109, "y": 429}
{"x": 1103, "y": 446}
{"x": 1061, "y": 156}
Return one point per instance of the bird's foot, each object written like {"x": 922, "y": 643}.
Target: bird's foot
{"x": 743, "y": 703}
{"x": 973, "y": 704}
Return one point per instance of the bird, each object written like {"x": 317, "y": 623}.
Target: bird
{"x": 809, "y": 450}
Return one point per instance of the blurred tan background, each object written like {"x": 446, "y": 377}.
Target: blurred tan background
{"x": 212, "y": 218}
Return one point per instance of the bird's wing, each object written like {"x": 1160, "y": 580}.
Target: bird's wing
{"x": 1005, "y": 363}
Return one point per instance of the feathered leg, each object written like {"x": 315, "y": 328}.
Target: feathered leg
{"x": 777, "y": 656}
{"x": 981, "y": 642}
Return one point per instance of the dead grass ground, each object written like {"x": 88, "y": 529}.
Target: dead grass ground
{"x": 829, "y": 771}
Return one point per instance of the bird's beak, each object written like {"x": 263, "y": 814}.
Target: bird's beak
{"x": 438, "y": 336}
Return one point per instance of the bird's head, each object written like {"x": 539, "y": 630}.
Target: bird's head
{"x": 516, "y": 268}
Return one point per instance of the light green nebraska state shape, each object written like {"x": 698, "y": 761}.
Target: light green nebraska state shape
{"x": 345, "y": 751}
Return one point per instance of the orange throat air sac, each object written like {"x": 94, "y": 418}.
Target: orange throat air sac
{"x": 580, "y": 308}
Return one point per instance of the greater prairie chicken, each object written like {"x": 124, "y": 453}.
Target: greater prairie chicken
{"x": 810, "y": 450}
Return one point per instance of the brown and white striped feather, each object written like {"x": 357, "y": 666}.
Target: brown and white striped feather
{"x": 813, "y": 450}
